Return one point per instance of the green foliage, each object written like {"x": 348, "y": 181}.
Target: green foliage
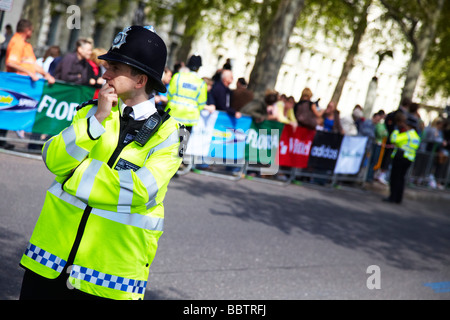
{"x": 335, "y": 19}
{"x": 107, "y": 10}
{"x": 437, "y": 66}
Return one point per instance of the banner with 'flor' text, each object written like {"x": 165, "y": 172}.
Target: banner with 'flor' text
{"x": 36, "y": 106}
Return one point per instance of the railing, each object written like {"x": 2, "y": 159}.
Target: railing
{"x": 431, "y": 169}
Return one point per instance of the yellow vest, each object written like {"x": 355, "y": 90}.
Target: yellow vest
{"x": 408, "y": 141}
{"x": 102, "y": 221}
{"x": 186, "y": 96}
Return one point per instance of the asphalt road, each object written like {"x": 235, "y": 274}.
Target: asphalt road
{"x": 249, "y": 240}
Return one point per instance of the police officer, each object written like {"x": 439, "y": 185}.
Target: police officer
{"x": 103, "y": 215}
{"x": 187, "y": 94}
{"x": 406, "y": 141}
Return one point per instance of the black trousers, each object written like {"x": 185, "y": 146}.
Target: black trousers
{"x": 35, "y": 287}
{"x": 400, "y": 166}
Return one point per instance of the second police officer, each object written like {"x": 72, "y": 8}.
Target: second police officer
{"x": 406, "y": 141}
{"x": 187, "y": 94}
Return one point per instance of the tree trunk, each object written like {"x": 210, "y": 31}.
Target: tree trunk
{"x": 188, "y": 37}
{"x": 352, "y": 52}
{"x": 420, "y": 45}
{"x": 273, "y": 46}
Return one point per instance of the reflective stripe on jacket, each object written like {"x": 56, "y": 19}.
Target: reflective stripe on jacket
{"x": 99, "y": 224}
{"x": 408, "y": 141}
{"x": 187, "y": 95}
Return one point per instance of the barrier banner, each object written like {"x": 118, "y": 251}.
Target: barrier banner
{"x": 261, "y": 146}
{"x": 229, "y": 135}
{"x": 19, "y": 97}
{"x": 351, "y": 155}
{"x": 36, "y": 106}
{"x": 219, "y": 136}
{"x": 295, "y": 146}
{"x": 324, "y": 151}
{"x": 201, "y": 134}
{"x": 58, "y": 105}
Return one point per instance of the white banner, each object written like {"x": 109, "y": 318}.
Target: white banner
{"x": 351, "y": 154}
{"x": 201, "y": 135}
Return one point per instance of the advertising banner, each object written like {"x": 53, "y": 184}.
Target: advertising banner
{"x": 35, "y": 106}
{"x": 324, "y": 151}
{"x": 19, "y": 98}
{"x": 295, "y": 146}
{"x": 351, "y": 155}
{"x": 261, "y": 146}
{"x": 228, "y": 138}
{"x": 58, "y": 105}
{"x": 218, "y": 136}
{"x": 201, "y": 134}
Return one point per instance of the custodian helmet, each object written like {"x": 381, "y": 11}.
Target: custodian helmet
{"x": 195, "y": 62}
{"x": 141, "y": 48}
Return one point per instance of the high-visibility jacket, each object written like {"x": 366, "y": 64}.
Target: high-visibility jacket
{"x": 186, "y": 96}
{"x": 99, "y": 223}
{"x": 408, "y": 141}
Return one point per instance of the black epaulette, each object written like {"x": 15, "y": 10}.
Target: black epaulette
{"x": 163, "y": 113}
{"x": 89, "y": 102}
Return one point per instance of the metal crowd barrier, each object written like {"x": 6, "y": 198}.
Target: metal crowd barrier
{"x": 329, "y": 177}
{"x": 431, "y": 169}
{"x": 284, "y": 175}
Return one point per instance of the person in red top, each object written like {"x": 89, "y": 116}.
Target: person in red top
{"x": 20, "y": 56}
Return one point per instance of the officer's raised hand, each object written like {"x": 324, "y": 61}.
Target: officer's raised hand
{"x": 107, "y": 98}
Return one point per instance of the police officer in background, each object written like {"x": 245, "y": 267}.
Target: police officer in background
{"x": 406, "y": 141}
{"x": 103, "y": 215}
{"x": 187, "y": 94}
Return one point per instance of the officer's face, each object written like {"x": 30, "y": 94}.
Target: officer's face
{"x": 118, "y": 76}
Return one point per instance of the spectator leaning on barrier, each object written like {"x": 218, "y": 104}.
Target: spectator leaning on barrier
{"x": 272, "y": 109}
{"x": 210, "y": 104}
{"x": 368, "y": 129}
{"x": 241, "y": 95}
{"x": 221, "y": 93}
{"x": 74, "y": 66}
{"x": 358, "y": 116}
{"x": 103, "y": 215}
{"x": 20, "y": 56}
{"x": 406, "y": 141}
{"x": 282, "y": 110}
{"x": 98, "y": 67}
{"x": 161, "y": 97}
{"x": 380, "y": 128}
{"x": 187, "y": 94}
{"x": 432, "y": 148}
{"x": 20, "y": 59}
{"x": 257, "y": 109}
{"x": 414, "y": 111}
{"x": 49, "y": 56}
{"x": 331, "y": 119}
{"x": 306, "y": 111}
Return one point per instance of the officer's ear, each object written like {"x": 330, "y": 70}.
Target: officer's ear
{"x": 142, "y": 80}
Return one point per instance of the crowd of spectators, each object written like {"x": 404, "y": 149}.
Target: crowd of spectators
{"x": 82, "y": 67}
{"x": 378, "y": 127}
{"x": 79, "y": 67}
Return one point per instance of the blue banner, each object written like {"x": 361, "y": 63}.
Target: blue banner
{"x": 229, "y": 135}
{"x": 19, "y": 97}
